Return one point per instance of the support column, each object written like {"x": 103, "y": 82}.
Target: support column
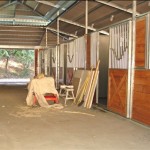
{"x": 46, "y": 38}
{"x": 86, "y": 32}
{"x": 86, "y": 17}
{"x": 131, "y": 69}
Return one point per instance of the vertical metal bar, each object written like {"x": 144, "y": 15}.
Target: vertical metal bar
{"x": 84, "y": 47}
{"x": 129, "y": 70}
{"x": 127, "y": 42}
{"x": 120, "y": 60}
{"x": 147, "y": 65}
{"x": 46, "y": 37}
{"x": 115, "y": 47}
{"x": 45, "y": 57}
{"x": 119, "y": 37}
{"x": 65, "y": 62}
{"x": 117, "y": 51}
{"x": 57, "y": 54}
{"x": 122, "y": 30}
{"x": 110, "y": 47}
{"x": 97, "y": 55}
{"x": 148, "y": 40}
{"x": 123, "y": 47}
{"x": 74, "y": 65}
{"x": 130, "y": 100}
{"x": 97, "y": 46}
{"x": 86, "y": 17}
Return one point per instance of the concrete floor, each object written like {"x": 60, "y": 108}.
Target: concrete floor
{"x": 24, "y": 128}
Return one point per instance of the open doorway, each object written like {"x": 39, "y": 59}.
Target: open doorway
{"x": 16, "y": 65}
{"x": 103, "y": 76}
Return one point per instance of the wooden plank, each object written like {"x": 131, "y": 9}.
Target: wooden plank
{"x": 93, "y": 86}
{"x": 88, "y": 88}
{"x": 81, "y": 92}
{"x": 93, "y": 90}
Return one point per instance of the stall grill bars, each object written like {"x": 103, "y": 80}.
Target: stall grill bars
{"x": 118, "y": 55}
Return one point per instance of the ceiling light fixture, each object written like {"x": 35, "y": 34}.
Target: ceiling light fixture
{"x": 76, "y": 32}
{"x": 111, "y": 17}
{"x": 92, "y": 25}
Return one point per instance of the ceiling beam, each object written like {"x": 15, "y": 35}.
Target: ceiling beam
{"x": 36, "y": 7}
{"x": 117, "y": 7}
{"x": 68, "y": 34}
{"x": 18, "y": 39}
{"x": 76, "y": 24}
{"x": 20, "y": 35}
{"x": 33, "y": 10}
{"x": 48, "y": 3}
{"x": 16, "y": 46}
{"x": 8, "y": 4}
{"x": 42, "y": 38}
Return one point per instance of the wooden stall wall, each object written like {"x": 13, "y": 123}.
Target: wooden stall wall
{"x": 140, "y": 42}
{"x": 141, "y": 98}
{"x": 141, "y": 92}
{"x": 117, "y": 91}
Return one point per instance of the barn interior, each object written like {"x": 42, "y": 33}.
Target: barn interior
{"x": 98, "y": 53}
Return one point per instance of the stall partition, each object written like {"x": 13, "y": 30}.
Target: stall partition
{"x": 141, "y": 92}
{"x": 118, "y": 68}
{"x": 76, "y": 57}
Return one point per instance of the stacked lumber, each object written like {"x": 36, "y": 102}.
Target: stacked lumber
{"x": 87, "y": 90}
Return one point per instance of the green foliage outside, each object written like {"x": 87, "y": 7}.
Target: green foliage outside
{"x": 16, "y": 63}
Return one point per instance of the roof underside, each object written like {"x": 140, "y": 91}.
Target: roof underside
{"x": 29, "y": 22}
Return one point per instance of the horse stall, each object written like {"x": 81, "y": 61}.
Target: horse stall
{"x": 119, "y": 64}
{"x": 141, "y": 93}
{"x": 76, "y": 57}
{"x": 129, "y": 96}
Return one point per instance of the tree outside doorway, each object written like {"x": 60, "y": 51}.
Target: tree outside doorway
{"x": 16, "y": 64}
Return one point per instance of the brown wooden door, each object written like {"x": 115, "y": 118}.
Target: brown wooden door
{"x": 117, "y": 91}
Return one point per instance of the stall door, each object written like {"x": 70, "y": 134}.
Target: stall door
{"x": 118, "y": 68}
